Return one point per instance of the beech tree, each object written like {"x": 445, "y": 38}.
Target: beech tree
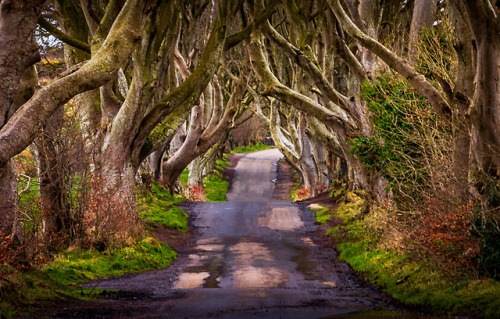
{"x": 18, "y": 129}
{"x": 482, "y": 107}
{"x": 162, "y": 81}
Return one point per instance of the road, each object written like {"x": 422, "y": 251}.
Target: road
{"x": 252, "y": 258}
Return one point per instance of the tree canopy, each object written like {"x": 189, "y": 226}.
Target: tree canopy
{"x": 398, "y": 99}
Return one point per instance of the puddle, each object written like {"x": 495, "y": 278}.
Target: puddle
{"x": 213, "y": 269}
{"x": 190, "y": 280}
{"x": 280, "y": 218}
{"x": 259, "y": 277}
{"x": 307, "y": 268}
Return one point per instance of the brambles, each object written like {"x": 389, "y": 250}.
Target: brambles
{"x": 448, "y": 233}
{"x": 300, "y": 194}
{"x": 197, "y": 193}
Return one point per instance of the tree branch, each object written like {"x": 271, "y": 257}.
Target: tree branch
{"x": 53, "y": 30}
{"x": 281, "y": 92}
{"x": 18, "y": 133}
{"x": 235, "y": 39}
{"x": 307, "y": 64}
{"x": 416, "y": 79}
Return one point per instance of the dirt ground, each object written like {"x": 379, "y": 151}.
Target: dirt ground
{"x": 256, "y": 256}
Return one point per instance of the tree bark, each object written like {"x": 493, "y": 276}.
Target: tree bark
{"x": 485, "y": 108}
{"x": 18, "y": 133}
{"x": 18, "y": 52}
{"x": 424, "y": 14}
{"x": 416, "y": 79}
{"x": 462, "y": 98}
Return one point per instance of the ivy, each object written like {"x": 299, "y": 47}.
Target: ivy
{"x": 405, "y": 127}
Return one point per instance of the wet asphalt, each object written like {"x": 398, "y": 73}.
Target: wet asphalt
{"x": 252, "y": 258}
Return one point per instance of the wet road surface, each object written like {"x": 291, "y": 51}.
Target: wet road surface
{"x": 253, "y": 258}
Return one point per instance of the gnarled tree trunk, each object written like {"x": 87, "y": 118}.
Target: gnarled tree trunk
{"x": 18, "y": 51}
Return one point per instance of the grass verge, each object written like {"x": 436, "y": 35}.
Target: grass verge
{"x": 157, "y": 208}
{"x": 215, "y": 185}
{"x": 61, "y": 278}
{"x": 252, "y": 148}
{"x": 414, "y": 282}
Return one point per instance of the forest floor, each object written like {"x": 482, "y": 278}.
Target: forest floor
{"x": 256, "y": 256}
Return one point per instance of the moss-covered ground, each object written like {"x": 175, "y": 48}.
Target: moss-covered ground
{"x": 157, "y": 208}
{"x": 413, "y": 281}
{"x": 61, "y": 278}
{"x": 215, "y": 184}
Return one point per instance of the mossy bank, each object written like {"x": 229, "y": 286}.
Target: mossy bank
{"x": 60, "y": 279}
{"x": 413, "y": 280}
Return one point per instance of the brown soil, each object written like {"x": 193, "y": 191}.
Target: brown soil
{"x": 284, "y": 181}
{"x": 229, "y": 171}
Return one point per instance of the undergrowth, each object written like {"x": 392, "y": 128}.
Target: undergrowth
{"x": 215, "y": 185}
{"x": 62, "y": 277}
{"x": 413, "y": 281}
{"x": 157, "y": 208}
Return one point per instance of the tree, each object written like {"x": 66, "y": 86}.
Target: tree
{"x": 18, "y": 130}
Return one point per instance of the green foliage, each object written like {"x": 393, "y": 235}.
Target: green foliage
{"x": 215, "y": 185}
{"x": 184, "y": 177}
{"x": 413, "y": 281}
{"x": 60, "y": 279}
{"x": 407, "y": 134}
{"x": 322, "y": 215}
{"x": 251, "y": 148}
{"x": 157, "y": 208}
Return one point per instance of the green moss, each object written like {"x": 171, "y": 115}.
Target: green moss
{"x": 62, "y": 277}
{"x": 322, "y": 215}
{"x": 157, "y": 208}
{"x": 413, "y": 281}
{"x": 215, "y": 185}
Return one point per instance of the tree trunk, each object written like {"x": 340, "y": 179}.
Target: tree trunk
{"x": 462, "y": 97}
{"x": 424, "y": 13}
{"x": 485, "y": 108}
{"x": 51, "y": 174}
{"x": 18, "y": 51}
{"x": 9, "y": 221}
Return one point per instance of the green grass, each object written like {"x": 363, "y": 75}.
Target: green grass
{"x": 215, "y": 185}
{"x": 184, "y": 177}
{"x": 413, "y": 281}
{"x": 62, "y": 277}
{"x": 157, "y": 208}
{"x": 322, "y": 215}
{"x": 251, "y": 148}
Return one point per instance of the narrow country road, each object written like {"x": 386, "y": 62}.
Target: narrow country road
{"x": 252, "y": 258}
